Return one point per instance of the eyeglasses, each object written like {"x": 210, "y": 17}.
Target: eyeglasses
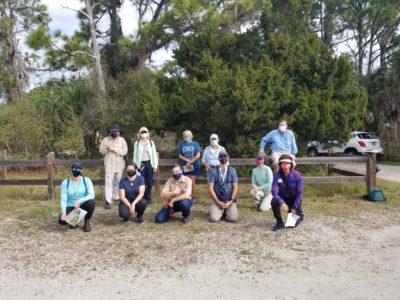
{"x": 144, "y": 131}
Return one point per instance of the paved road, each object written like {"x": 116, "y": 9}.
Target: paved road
{"x": 386, "y": 172}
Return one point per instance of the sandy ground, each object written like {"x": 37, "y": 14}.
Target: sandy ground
{"x": 323, "y": 258}
{"x": 386, "y": 172}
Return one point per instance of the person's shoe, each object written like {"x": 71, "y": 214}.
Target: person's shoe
{"x": 86, "y": 226}
{"x": 72, "y": 227}
{"x": 278, "y": 225}
{"x": 107, "y": 205}
{"x": 125, "y": 220}
{"x": 186, "y": 220}
{"x": 139, "y": 219}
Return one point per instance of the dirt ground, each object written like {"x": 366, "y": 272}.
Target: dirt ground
{"x": 343, "y": 250}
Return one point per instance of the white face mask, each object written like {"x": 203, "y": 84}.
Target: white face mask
{"x": 214, "y": 142}
{"x": 144, "y": 135}
{"x": 282, "y": 128}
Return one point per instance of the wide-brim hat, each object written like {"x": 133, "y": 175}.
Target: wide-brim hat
{"x": 114, "y": 128}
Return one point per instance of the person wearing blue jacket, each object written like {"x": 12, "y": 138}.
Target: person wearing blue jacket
{"x": 77, "y": 192}
{"x": 282, "y": 141}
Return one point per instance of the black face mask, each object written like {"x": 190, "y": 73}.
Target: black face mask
{"x": 114, "y": 135}
{"x": 76, "y": 173}
{"x": 223, "y": 161}
{"x": 131, "y": 173}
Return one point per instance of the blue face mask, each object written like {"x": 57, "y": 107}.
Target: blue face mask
{"x": 187, "y": 138}
{"x": 177, "y": 176}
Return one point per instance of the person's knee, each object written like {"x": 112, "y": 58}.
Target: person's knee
{"x": 214, "y": 218}
{"x": 160, "y": 218}
{"x": 274, "y": 202}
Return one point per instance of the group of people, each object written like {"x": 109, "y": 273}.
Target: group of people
{"x": 281, "y": 190}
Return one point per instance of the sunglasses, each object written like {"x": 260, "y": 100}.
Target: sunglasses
{"x": 144, "y": 131}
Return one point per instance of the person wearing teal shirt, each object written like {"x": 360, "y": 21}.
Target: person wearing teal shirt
{"x": 77, "y": 192}
{"x": 261, "y": 181}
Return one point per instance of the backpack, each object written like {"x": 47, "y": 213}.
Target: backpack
{"x": 376, "y": 195}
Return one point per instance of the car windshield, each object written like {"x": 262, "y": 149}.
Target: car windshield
{"x": 367, "y": 136}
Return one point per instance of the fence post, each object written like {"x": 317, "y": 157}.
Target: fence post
{"x": 156, "y": 178}
{"x": 3, "y": 170}
{"x": 371, "y": 171}
{"x": 50, "y": 175}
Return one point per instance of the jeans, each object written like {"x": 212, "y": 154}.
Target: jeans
{"x": 276, "y": 208}
{"x": 124, "y": 211}
{"x": 184, "y": 206}
{"x": 88, "y": 206}
{"x": 147, "y": 173}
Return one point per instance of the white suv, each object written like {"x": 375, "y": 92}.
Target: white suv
{"x": 360, "y": 142}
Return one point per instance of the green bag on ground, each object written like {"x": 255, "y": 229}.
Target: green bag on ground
{"x": 376, "y": 195}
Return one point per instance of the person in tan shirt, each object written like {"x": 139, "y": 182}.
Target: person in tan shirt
{"x": 176, "y": 192}
{"x": 114, "y": 148}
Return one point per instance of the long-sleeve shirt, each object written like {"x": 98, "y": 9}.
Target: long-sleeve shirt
{"x": 292, "y": 190}
{"x": 114, "y": 160}
{"x": 262, "y": 177}
{"x": 210, "y": 155}
{"x": 279, "y": 141}
{"x": 76, "y": 191}
{"x": 138, "y": 154}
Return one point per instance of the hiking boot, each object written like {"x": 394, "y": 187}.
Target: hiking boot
{"x": 107, "y": 205}
{"x": 139, "y": 219}
{"x": 186, "y": 220}
{"x": 86, "y": 226}
{"x": 278, "y": 225}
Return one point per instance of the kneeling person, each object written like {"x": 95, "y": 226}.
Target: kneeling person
{"x": 223, "y": 187}
{"x": 131, "y": 192}
{"x": 77, "y": 192}
{"x": 176, "y": 192}
{"x": 261, "y": 181}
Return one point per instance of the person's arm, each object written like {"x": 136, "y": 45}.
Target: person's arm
{"x": 253, "y": 180}
{"x": 234, "y": 180}
{"x": 265, "y": 140}
{"x": 140, "y": 194}
{"x": 293, "y": 145}
{"x": 196, "y": 157}
{"x": 122, "y": 196}
{"x": 155, "y": 158}
{"x": 103, "y": 146}
{"x": 275, "y": 189}
{"x": 198, "y": 153}
{"x": 90, "y": 191}
{"x": 63, "y": 197}
{"x": 135, "y": 156}
{"x": 166, "y": 193}
{"x": 267, "y": 186}
{"x": 299, "y": 193}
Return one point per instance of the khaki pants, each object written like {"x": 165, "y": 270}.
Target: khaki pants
{"x": 111, "y": 186}
{"x": 263, "y": 200}
{"x": 216, "y": 212}
{"x": 275, "y": 158}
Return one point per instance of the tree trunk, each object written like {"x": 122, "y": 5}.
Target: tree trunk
{"x": 95, "y": 48}
{"x": 115, "y": 35}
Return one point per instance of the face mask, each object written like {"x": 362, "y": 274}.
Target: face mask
{"x": 214, "y": 142}
{"x": 114, "y": 135}
{"x": 223, "y": 161}
{"x": 177, "y": 176}
{"x": 144, "y": 135}
{"x": 76, "y": 173}
{"x": 131, "y": 173}
{"x": 282, "y": 128}
{"x": 187, "y": 138}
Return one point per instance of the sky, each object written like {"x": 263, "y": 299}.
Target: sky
{"x": 64, "y": 18}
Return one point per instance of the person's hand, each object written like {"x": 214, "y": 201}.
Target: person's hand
{"x": 188, "y": 163}
{"x": 155, "y": 170}
{"x": 228, "y": 204}
{"x": 208, "y": 167}
{"x": 221, "y": 204}
{"x": 171, "y": 203}
{"x": 255, "y": 190}
{"x": 77, "y": 204}
{"x": 63, "y": 217}
{"x": 293, "y": 211}
{"x": 132, "y": 209}
{"x": 284, "y": 208}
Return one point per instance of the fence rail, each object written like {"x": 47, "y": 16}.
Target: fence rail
{"x": 50, "y": 162}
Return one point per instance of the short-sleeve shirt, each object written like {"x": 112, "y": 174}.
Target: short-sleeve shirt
{"x": 183, "y": 184}
{"x": 131, "y": 187}
{"x": 189, "y": 151}
{"x": 220, "y": 179}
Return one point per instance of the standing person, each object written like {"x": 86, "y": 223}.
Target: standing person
{"x": 77, "y": 192}
{"x": 287, "y": 191}
{"x": 114, "y": 148}
{"x": 176, "y": 192}
{"x": 223, "y": 187}
{"x": 210, "y": 154}
{"x": 261, "y": 181}
{"x": 145, "y": 156}
{"x": 189, "y": 159}
{"x": 282, "y": 141}
{"x": 131, "y": 192}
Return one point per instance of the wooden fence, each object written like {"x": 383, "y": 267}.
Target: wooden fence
{"x": 50, "y": 162}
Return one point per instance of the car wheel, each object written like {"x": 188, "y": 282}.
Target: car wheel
{"x": 312, "y": 152}
{"x": 351, "y": 151}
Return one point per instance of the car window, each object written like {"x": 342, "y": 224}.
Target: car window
{"x": 366, "y": 136}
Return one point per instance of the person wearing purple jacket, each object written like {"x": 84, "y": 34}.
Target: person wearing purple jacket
{"x": 287, "y": 191}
